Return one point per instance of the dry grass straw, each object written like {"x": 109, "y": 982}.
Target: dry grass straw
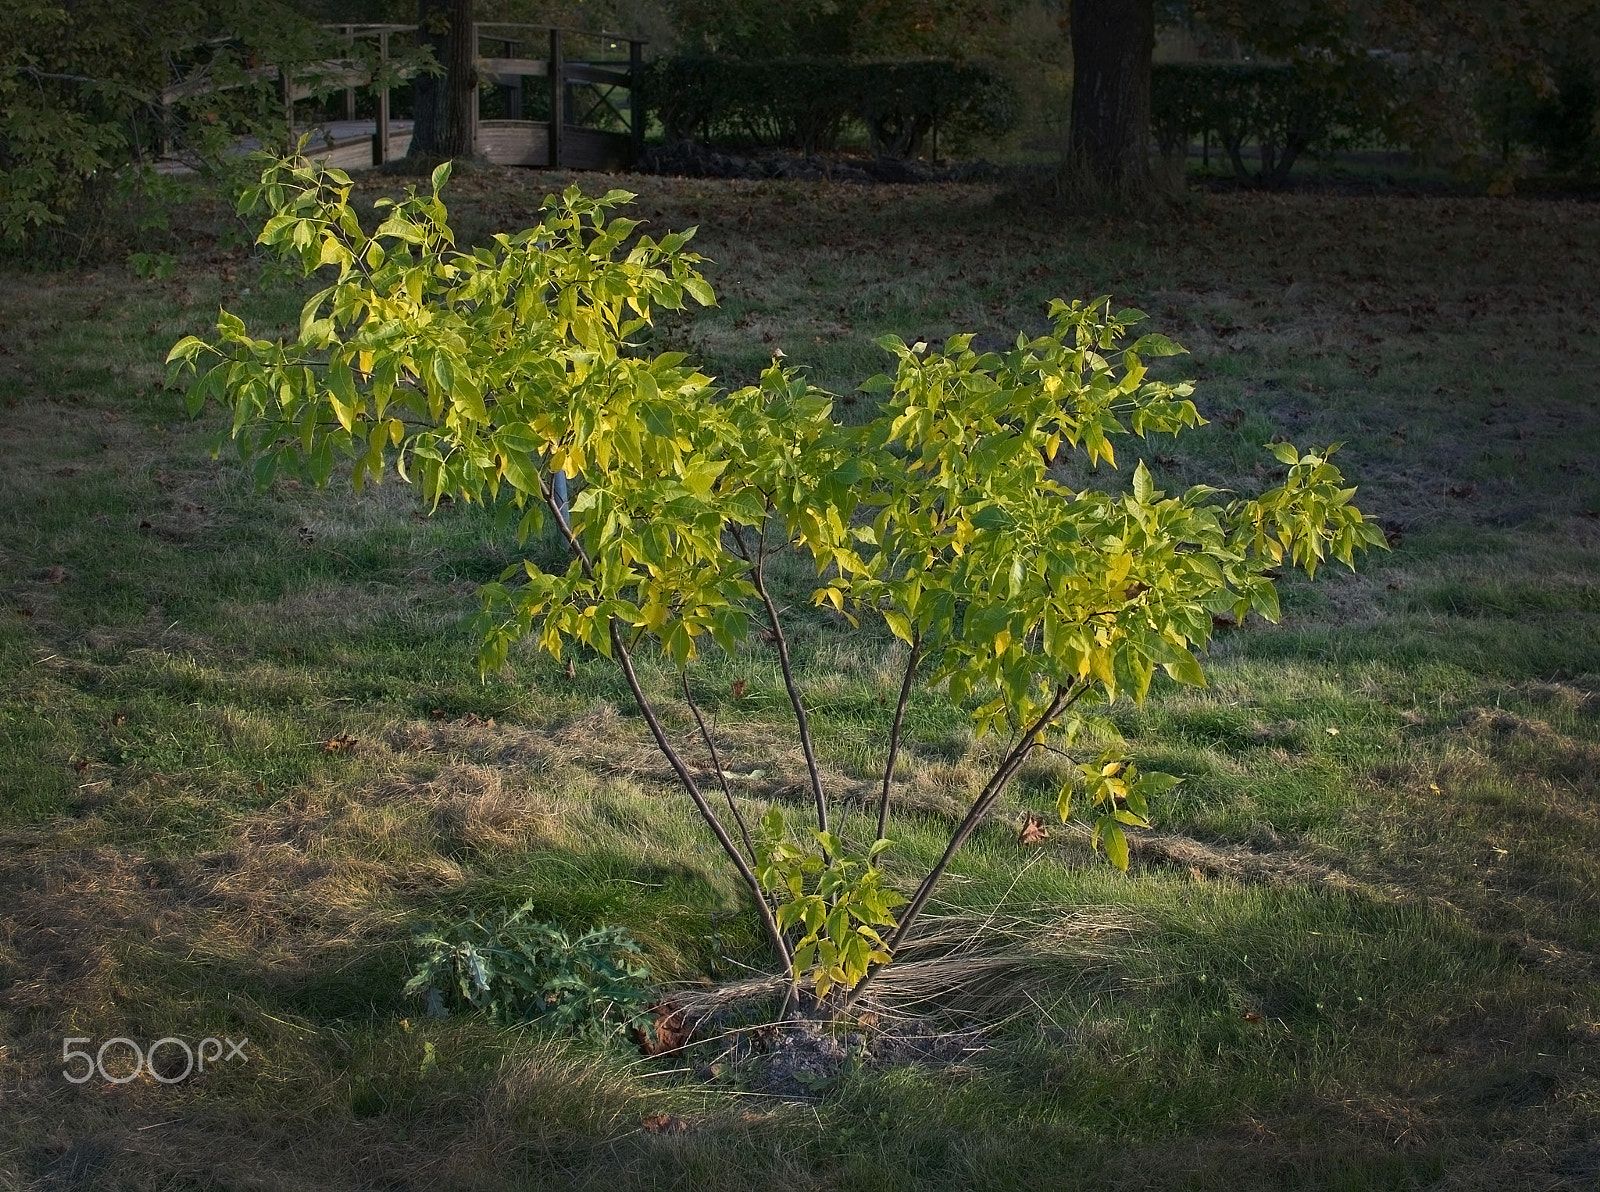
{"x": 982, "y": 967}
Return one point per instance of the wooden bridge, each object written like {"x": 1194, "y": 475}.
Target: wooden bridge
{"x": 591, "y": 118}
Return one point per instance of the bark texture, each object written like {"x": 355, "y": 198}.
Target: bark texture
{"x": 444, "y": 103}
{"x": 1112, "y": 41}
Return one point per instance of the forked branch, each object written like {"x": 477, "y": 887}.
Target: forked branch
{"x": 685, "y": 777}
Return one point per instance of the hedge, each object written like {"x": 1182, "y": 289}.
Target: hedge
{"x": 806, "y": 103}
{"x": 1286, "y": 109}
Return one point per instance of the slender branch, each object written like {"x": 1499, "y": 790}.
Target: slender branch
{"x": 716, "y": 763}
{"x": 36, "y": 73}
{"x": 685, "y": 778}
{"x": 894, "y": 736}
{"x": 802, "y": 722}
{"x": 998, "y": 781}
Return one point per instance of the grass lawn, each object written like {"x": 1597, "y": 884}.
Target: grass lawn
{"x": 1359, "y": 951}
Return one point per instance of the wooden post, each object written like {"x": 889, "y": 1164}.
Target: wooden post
{"x": 514, "y": 88}
{"x": 558, "y": 96}
{"x": 635, "y": 107}
{"x": 349, "y": 92}
{"x": 477, "y": 91}
{"x": 380, "y": 139}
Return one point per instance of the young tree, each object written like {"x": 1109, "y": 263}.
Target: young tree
{"x": 483, "y": 374}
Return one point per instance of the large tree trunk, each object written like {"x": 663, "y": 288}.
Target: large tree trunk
{"x": 1112, "y": 41}
{"x": 445, "y": 104}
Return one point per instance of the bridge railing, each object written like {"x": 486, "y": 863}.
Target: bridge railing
{"x": 557, "y": 97}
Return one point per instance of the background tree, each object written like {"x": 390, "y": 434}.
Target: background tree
{"x": 1112, "y": 44}
{"x": 1466, "y": 80}
{"x": 91, "y": 93}
{"x": 443, "y": 102}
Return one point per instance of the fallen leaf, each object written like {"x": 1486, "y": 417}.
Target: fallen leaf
{"x": 665, "y": 1123}
{"x": 738, "y": 688}
{"x": 1033, "y": 830}
{"x": 343, "y": 743}
{"x": 666, "y": 1035}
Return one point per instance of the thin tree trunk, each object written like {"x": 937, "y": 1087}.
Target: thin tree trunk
{"x": 1112, "y": 41}
{"x": 444, "y": 103}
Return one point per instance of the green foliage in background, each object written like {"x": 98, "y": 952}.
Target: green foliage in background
{"x": 1025, "y": 603}
{"x": 1287, "y": 110}
{"x": 518, "y": 970}
{"x": 806, "y": 103}
{"x": 91, "y": 94}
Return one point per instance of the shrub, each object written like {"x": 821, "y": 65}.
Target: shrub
{"x": 92, "y": 93}
{"x": 519, "y": 971}
{"x": 806, "y": 103}
{"x": 483, "y": 374}
{"x": 1286, "y": 110}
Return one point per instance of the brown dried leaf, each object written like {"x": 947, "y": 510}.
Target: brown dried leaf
{"x": 1033, "y": 831}
{"x": 665, "y": 1123}
{"x": 343, "y": 743}
{"x": 666, "y": 1035}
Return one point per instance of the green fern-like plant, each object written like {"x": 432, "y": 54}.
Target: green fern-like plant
{"x": 517, "y": 970}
